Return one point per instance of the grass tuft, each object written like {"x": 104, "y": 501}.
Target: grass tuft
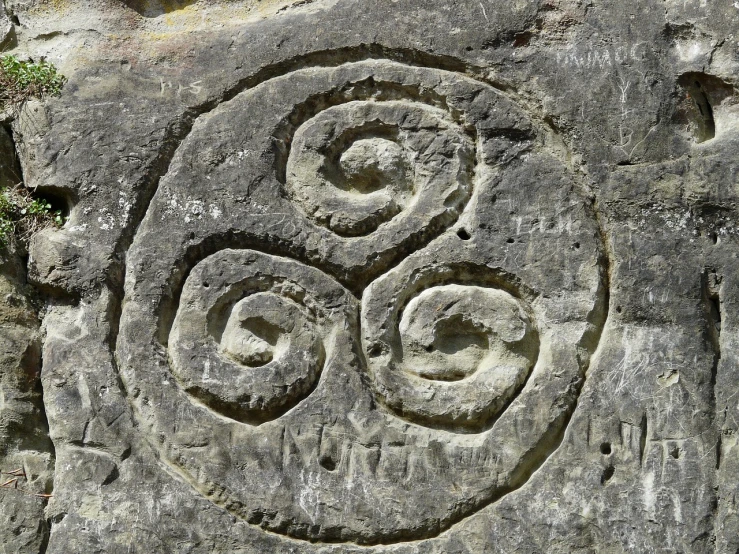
{"x": 22, "y": 215}
{"x": 23, "y": 80}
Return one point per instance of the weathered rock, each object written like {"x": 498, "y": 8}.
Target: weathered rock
{"x": 10, "y": 171}
{"x": 406, "y": 277}
{"x": 26, "y": 452}
{"x": 7, "y": 32}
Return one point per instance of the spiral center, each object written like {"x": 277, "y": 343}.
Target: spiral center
{"x": 372, "y": 164}
{"x": 255, "y": 331}
{"x": 450, "y": 332}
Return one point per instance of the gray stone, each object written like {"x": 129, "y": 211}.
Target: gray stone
{"x": 7, "y": 31}
{"x": 26, "y": 452}
{"x": 390, "y": 277}
{"x": 10, "y": 171}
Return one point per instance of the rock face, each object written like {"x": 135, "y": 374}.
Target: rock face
{"x": 393, "y": 277}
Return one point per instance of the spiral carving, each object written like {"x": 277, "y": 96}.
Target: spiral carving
{"x": 356, "y": 166}
{"x": 247, "y": 340}
{"x": 454, "y": 357}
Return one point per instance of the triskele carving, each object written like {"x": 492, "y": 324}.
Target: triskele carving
{"x": 374, "y": 306}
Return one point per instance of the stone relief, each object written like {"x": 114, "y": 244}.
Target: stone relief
{"x": 464, "y": 368}
{"x": 342, "y": 276}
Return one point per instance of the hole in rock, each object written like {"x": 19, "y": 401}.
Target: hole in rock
{"x": 704, "y": 94}
{"x": 576, "y": 245}
{"x": 605, "y": 448}
{"x": 463, "y": 234}
{"x": 675, "y": 452}
{"x": 155, "y": 8}
{"x": 510, "y": 241}
{"x": 375, "y": 350}
{"x": 714, "y": 238}
{"x": 619, "y": 309}
{"x": 327, "y": 463}
{"x": 60, "y": 204}
{"x": 522, "y": 39}
{"x": 607, "y": 474}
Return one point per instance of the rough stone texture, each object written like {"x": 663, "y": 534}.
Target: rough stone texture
{"x": 7, "y": 31}
{"x": 370, "y": 276}
{"x": 26, "y": 453}
{"x": 10, "y": 172}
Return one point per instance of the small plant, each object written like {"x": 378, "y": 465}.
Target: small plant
{"x": 22, "y": 80}
{"x": 21, "y": 215}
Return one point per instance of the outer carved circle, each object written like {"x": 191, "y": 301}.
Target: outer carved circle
{"x": 250, "y": 374}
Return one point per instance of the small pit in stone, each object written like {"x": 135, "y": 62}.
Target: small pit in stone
{"x": 675, "y": 452}
{"x": 463, "y": 234}
{"x": 605, "y": 448}
{"x": 375, "y": 350}
{"x": 607, "y": 475}
{"x": 705, "y": 94}
{"x": 327, "y": 463}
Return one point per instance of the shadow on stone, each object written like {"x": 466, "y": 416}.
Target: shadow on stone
{"x": 155, "y": 8}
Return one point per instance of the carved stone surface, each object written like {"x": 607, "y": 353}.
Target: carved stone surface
{"x": 393, "y": 277}
{"x": 452, "y": 138}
